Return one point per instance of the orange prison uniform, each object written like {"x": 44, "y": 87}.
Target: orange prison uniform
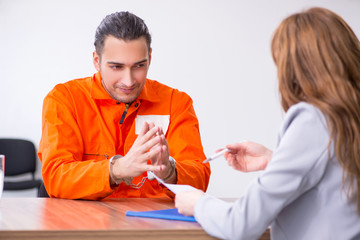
{"x": 81, "y": 131}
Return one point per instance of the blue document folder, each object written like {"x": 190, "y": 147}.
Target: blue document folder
{"x": 170, "y": 214}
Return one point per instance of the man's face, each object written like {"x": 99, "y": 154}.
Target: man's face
{"x": 123, "y": 66}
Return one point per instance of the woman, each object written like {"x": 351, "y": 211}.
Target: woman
{"x": 310, "y": 186}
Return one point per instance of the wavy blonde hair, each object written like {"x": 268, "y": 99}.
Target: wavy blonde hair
{"x": 318, "y": 61}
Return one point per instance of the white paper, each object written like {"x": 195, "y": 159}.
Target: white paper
{"x": 158, "y": 120}
{"x": 175, "y": 188}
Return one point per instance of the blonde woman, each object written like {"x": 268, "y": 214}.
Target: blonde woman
{"x": 310, "y": 186}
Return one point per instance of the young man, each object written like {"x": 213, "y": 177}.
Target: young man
{"x": 101, "y": 134}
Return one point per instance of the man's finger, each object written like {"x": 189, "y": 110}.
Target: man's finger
{"x": 151, "y": 125}
{"x": 155, "y": 168}
{"x": 151, "y": 133}
{"x": 144, "y": 129}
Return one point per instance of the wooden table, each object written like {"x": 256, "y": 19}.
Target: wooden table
{"x": 47, "y": 218}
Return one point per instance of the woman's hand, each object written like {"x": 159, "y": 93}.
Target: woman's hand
{"x": 248, "y": 156}
{"x": 185, "y": 201}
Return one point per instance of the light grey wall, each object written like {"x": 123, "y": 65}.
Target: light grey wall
{"x": 216, "y": 51}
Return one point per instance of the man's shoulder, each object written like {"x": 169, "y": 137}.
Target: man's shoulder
{"x": 68, "y": 91}
{"x": 74, "y": 85}
{"x": 165, "y": 90}
{"x": 157, "y": 85}
{"x": 79, "y": 82}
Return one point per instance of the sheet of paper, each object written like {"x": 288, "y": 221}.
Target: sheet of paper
{"x": 175, "y": 188}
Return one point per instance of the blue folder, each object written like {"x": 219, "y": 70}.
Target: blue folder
{"x": 170, "y": 214}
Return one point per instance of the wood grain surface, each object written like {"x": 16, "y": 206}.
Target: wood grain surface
{"x": 50, "y": 218}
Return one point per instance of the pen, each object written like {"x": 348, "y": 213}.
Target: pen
{"x": 216, "y": 155}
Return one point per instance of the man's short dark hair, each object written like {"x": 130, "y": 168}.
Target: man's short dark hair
{"x": 122, "y": 25}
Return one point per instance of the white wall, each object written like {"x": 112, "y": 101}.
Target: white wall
{"x": 216, "y": 51}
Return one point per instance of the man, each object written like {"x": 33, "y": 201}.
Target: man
{"x": 101, "y": 134}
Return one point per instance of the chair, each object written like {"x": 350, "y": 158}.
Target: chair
{"x": 20, "y": 158}
{"x": 42, "y": 193}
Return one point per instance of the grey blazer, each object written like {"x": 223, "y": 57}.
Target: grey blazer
{"x": 299, "y": 194}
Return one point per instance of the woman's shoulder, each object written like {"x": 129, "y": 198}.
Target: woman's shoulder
{"x": 306, "y": 117}
{"x": 302, "y": 107}
{"x": 303, "y": 111}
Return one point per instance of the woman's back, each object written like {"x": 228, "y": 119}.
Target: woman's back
{"x": 323, "y": 211}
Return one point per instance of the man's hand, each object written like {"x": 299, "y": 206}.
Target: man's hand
{"x": 162, "y": 158}
{"x": 134, "y": 163}
{"x": 248, "y": 156}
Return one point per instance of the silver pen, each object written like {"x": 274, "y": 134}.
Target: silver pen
{"x": 216, "y": 155}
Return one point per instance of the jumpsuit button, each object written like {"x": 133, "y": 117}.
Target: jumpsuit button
{"x": 136, "y": 104}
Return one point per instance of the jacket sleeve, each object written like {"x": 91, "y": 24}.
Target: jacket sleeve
{"x": 65, "y": 172}
{"x": 184, "y": 142}
{"x": 297, "y": 165}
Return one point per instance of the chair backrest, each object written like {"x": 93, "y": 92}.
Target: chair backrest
{"x": 42, "y": 191}
{"x": 20, "y": 156}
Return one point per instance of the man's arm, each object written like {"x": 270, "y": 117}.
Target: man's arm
{"x": 67, "y": 171}
{"x": 184, "y": 143}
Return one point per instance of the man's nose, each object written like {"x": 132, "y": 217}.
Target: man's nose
{"x": 127, "y": 78}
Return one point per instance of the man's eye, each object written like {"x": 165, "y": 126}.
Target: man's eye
{"x": 140, "y": 65}
{"x": 115, "y": 67}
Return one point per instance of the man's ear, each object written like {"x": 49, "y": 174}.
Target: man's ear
{"x": 150, "y": 51}
{"x": 96, "y": 61}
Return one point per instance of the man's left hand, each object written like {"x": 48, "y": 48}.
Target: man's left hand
{"x": 162, "y": 158}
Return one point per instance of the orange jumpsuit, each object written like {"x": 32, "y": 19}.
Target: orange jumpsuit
{"x": 82, "y": 129}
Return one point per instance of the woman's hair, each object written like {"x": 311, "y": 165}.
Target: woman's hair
{"x": 318, "y": 61}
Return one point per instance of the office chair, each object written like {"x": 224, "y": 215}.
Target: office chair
{"x": 20, "y": 158}
{"x": 42, "y": 191}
